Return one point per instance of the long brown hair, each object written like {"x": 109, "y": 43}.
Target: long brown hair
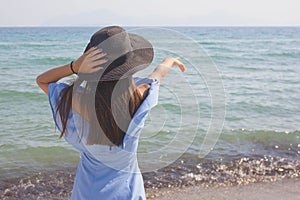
{"x": 109, "y": 112}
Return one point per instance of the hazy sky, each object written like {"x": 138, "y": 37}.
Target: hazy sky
{"x": 150, "y": 12}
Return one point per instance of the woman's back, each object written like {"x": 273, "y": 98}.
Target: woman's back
{"x": 102, "y": 167}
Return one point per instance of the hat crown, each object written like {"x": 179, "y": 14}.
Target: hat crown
{"x": 105, "y": 33}
{"x": 127, "y": 53}
{"x": 114, "y": 40}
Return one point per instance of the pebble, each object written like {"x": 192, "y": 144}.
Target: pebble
{"x": 7, "y": 192}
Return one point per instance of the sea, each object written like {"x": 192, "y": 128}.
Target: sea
{"x": 232, "y": 118}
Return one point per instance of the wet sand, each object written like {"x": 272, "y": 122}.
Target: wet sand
{"x": 288, "y": 189}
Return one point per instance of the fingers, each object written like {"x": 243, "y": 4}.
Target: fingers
{"x": 98, "y": 63}
{"x": 97, "y": 52}
{"x": 94, "y": 63}
{"x": 95, "y": 69}
{"x": 96, "y": 55}
{"x": 90, "y": 50}
{"x": 180, "y": 64}
{"x": 92, "y": 66}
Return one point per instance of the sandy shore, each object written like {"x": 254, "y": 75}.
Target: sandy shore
{"x": 59, "y": 185}
{"x": 288, "y": 189}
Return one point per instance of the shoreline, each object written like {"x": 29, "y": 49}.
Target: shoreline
{"x": 186, "y": 178}
{"x": 58, "y": 185}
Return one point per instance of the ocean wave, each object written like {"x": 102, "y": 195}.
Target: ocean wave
{"x": 23, "y": 160}
{"x": 295, "y": 54}
{"x": 53, "y": 60}
{"x": 235, "y": 144}
{"x": 262, "y": 136}
{"x": 12, "y": 95}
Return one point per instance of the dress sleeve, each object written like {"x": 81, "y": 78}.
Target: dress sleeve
{"x": 71, "y": 135}
{"x": 54, "y": 90}
{"x": 152, "y": 98}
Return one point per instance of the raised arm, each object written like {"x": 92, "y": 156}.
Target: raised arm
{"x": 165, "y": 66}
{"x": 89, "y": 62}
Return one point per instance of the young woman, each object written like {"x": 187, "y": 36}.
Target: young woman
{"x": 102, "y": 111}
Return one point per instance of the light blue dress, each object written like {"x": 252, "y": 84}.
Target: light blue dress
{"x": 106, "y": 172}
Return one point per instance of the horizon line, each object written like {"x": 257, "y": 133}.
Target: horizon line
{"x": 91, "y": 26}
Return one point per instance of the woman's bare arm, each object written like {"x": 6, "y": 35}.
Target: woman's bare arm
{"x": 165, "y": 66}
{"x": 89, "y": 62}
{"x": 160, "y": 71}
{"x": 53, "y": 75}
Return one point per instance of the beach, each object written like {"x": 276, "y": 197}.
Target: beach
{"x": 59, "y": 185}
{"x": 241, "y": 179}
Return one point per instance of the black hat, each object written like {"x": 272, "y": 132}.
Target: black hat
{"x": 127, "y": 53}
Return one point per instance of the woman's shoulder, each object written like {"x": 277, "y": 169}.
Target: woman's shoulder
{"x": 143, "y": 85}
{"x": 143, "y": 90}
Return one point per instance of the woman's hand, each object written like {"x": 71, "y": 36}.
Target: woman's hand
{"x": 168, "y": 63}
{"x": 165, "y": 66}
{"x": 90, "y": 61}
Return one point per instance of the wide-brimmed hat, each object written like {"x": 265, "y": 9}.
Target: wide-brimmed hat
{"x": 127, "y": 53}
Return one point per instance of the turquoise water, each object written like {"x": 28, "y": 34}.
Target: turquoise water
{"x": 260, "y": 69}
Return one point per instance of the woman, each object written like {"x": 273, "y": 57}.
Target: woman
{"x": 102, "y": 111}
